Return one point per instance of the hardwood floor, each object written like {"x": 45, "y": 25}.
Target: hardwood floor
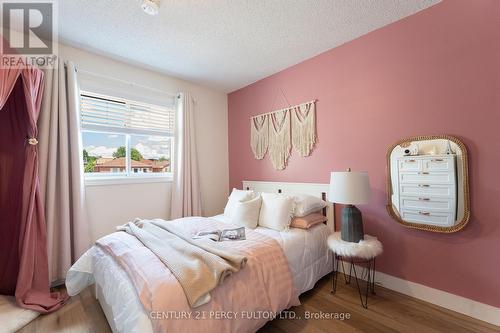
{"x": 388, "y": 311}
{"x": 81, "y": 314}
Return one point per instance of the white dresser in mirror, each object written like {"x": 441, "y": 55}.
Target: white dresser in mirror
{"x": 428, "y": 189}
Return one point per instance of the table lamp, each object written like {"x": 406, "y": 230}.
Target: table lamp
{"x": 350, "y": 188}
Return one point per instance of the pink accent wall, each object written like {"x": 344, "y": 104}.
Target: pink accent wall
{"x": 436, "y": 72}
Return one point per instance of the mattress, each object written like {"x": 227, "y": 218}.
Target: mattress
{"x": 306, "y": 251}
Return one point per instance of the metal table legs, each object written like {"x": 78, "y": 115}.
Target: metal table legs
{"x": 370, "y": 280}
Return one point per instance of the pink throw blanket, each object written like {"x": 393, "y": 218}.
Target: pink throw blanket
{"x": 243, "y": 303}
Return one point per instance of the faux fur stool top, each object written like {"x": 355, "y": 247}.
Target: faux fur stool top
{"x": 368, "y": 248}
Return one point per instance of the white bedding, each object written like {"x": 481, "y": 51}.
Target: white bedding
{"x": 306, "y": 251}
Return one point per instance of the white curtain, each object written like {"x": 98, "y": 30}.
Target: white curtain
{"x": 61, "y": 170}
{"x": 186, "y": 198}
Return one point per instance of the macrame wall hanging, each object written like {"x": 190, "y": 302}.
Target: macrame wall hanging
{"x": 279, "y": 138}
{"x": 304, "y": 128}
{"x": 276, "y": 131}
{"x": 259, "y": 140}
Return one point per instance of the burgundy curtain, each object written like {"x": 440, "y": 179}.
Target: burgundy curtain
{"x": 23, "y": 239}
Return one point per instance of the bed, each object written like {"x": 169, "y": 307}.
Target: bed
{"x": 306, "y": 252}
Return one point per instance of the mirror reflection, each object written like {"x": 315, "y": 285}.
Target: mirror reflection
{"x": 428, "y": 183}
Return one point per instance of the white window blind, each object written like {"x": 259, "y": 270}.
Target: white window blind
{"x": 103, "y": 113}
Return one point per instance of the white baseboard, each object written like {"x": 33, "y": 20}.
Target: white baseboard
{"x": 468, "y": 307}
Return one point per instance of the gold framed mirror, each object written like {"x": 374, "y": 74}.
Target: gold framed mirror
{"x": 428, "y": 183}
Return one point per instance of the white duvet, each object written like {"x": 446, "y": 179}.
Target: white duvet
{"x": 306, "y": 251}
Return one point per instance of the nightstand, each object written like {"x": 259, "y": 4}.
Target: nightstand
{"x": 362, "y": 253}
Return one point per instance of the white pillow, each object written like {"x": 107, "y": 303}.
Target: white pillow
{"x": 246, "y": 213}
{"x": 307, "y": 204}
{"x": 236, "y": 195}
{"x": 276, "y": 211}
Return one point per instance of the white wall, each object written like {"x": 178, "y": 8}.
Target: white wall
{"x": 112, "y": 205}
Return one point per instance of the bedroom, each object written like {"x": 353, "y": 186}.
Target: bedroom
{"x": 138, "y": 110}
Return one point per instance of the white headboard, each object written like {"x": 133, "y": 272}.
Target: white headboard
{"x": 314, "y": 189}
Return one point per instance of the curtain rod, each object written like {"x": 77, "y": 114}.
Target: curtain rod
{"x": 288, "y": 108}
{"x": 126, "y": 82}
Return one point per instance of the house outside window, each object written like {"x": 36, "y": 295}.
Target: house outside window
{"x": 124, "y": 139}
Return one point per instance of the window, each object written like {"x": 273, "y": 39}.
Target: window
{"x": 124, "y": 138}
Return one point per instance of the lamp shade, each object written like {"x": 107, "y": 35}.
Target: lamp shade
{"x": 351, "y": 188}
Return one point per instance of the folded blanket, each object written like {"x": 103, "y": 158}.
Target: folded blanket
{"x": 199, "y": 265}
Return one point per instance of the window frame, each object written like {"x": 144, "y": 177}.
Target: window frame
{"x": 129, "y": 176}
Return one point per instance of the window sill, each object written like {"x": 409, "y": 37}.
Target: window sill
{"x": 124, "y": 180}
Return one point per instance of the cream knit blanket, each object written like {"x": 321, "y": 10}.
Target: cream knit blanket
{"x": 199, "y": 265}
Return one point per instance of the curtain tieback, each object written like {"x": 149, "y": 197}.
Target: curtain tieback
{"x": 33, "y": 141}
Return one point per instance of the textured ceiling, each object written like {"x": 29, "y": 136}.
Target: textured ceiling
{"x": 224, "y": 44}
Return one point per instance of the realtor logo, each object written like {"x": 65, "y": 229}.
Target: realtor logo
{"x": 28, "y": 33}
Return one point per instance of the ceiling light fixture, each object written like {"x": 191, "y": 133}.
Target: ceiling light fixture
{"x": 150, "y": 7}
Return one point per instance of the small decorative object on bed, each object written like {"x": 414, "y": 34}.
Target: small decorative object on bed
{"x": 219, "y": 235}
{"x": 430, "y": 189}
{"x": 350, "y": 188}
{"x": 276, "y": 131}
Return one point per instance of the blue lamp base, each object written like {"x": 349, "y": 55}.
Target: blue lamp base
{"x": 352, "y": 224}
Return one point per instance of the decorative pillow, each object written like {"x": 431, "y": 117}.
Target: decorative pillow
{"x": 276, "y": 211}
{"x": 246, "y": 213}
{"x": 308, "y": 221}
{"x": 236, "y": 195}
{"x": 307, "y": 204}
